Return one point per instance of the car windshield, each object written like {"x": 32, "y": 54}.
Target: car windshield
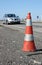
{"x": 10, "y": 15}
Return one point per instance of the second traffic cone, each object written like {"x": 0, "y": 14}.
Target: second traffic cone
{"x": 29, "y": 44}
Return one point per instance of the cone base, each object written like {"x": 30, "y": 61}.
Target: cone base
{"x": 29, "y": 46}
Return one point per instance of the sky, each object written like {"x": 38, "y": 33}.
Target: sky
{"x": 21, "y": 8}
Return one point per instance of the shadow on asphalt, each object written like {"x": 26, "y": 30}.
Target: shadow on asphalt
{"x": 37, "y": 52}
{"x": 16, "y": 24}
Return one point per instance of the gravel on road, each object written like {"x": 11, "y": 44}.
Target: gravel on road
{"x": 11, "y": 42}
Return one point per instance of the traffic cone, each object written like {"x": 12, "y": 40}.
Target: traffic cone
{"x": 29, "y": 39}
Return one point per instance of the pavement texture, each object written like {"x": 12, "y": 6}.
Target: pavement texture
{"x": 11, "y": 42}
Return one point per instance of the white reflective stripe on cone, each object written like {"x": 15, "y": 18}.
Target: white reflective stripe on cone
{"x": 29, "y": 37}
{"x": 28, "y": 22}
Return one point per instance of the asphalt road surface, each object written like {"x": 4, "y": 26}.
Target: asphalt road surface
{"x": 11, "y": 42}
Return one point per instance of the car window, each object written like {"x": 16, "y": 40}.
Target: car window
{"x": 10, "y": 15}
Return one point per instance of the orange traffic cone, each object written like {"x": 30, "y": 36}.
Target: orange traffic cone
{"x": 29, "y": 39}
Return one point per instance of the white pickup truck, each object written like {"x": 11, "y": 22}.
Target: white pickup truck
{"x": 11, "y": 18}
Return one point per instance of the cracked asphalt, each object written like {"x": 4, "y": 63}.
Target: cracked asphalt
{"x": 11, "y": 42}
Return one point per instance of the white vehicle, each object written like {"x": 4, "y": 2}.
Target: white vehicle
{"x": 11, "y": 18}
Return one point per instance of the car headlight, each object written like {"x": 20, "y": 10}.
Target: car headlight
{"x": 9, "y": 19}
